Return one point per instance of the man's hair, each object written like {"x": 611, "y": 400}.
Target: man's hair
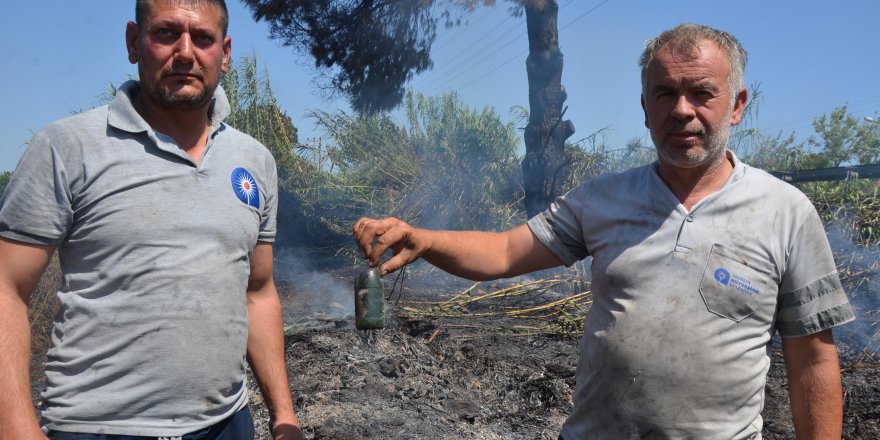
{"x": 685, "y": 39}
{"x": 142, "y": 9}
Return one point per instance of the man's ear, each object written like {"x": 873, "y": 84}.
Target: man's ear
{"x": 645, "y": 111}
{"x": 227, "y": 53}
{"x": 132, "y": 35}
{"x": 739, "y": 105}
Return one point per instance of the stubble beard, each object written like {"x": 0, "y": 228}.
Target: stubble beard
{"x": 715, "y": 144}
{"x": 168, "y": 99}
{"x": 165, "y": 97}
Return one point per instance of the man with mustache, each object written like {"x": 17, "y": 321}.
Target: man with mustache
{"x": 163, "y": 217}
{"x": 697, "y": 260}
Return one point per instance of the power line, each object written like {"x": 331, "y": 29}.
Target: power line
{"x": 469, "y": 23}
{"x": 463, "y": 61}
{"x": 526, "y": 51}
{"x": 583, "y": 15}
{"x": 468, "y": 62}
{"x": 474, "y": 66}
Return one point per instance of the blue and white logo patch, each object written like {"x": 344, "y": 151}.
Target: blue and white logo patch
{"x": 245, "y": 187}
{"x": 722, "y": 275}
{"x": 736, "y": 282}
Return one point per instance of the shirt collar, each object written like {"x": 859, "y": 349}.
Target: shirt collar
{"x": 122, "y": 114}
{"x": 739, "y": 169}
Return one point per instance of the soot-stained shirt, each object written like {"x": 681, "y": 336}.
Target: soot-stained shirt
{"x": 155, "y": 257}
{"x": 685, "y": 302}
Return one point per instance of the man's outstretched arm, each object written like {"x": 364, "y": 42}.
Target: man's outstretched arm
{"x": 265, "y": 346}
{"x": 814, "y": 385}
{"x": 469, "y": 254}
{"x": 21, "y": 266}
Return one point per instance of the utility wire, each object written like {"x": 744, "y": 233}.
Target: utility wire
{"x": 458, "y": 34}
{"x": 526, "y": 51}
{"x": 464, "y": 60}
{"x": 583, "y": 15}
{"x": 469, "y": 61}
{"x": 474, "y": 66}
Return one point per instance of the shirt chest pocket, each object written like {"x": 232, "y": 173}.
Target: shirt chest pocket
{"x": 733, "y": 287}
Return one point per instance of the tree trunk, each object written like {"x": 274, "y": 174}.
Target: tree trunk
{"x": 546, "y": 132}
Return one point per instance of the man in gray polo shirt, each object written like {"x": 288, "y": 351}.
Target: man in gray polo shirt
{"x": 163, "y": 218}
{"x": 697, "y": 259}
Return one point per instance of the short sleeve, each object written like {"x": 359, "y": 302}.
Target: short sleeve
{"x": 36, "y": 207}
{"x": 268, "y": 216}
{"x": 811, "y": 298}
{"x": 560, "y": 229}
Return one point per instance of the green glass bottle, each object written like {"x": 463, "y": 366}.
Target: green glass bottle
{"x": 369, "y": 300}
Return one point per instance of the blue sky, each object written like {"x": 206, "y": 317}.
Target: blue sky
{"x": 809, "y": 56}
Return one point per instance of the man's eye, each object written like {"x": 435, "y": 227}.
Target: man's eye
{"x": 705, "y": 94}
{"x": 203, "y": 39}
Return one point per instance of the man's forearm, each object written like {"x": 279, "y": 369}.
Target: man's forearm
{"x": 21, "y": 265}
{"x": 817, "y": 402}
{"x": 473, "y": 255}
{"x": 17, "y": 419}
{"x": 814, "y": 386}
{"x": 265, "y": 354}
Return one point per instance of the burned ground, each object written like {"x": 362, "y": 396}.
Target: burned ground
{"x": 465, "y": 377}
{"x": 394, "y": 384}
{"x": 461, "y": 378}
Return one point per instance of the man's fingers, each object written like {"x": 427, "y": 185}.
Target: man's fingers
{"x": 374, "y": 237}
{"x": 396, "y": 262}
{"x": 361, "y": 224}
{"x": 364, "y": 235}
{"x": 387, "y": 239}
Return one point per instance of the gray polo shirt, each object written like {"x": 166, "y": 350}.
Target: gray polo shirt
{"x": 155, "y": 256}
{"x": 684, "y": 303}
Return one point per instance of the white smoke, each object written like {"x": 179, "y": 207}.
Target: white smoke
{"x": 859, "y": 268}
{"x": 312, "y": 297}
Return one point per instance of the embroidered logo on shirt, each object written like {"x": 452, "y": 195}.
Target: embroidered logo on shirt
{"x": 735, "y": 282}
{"x": 245, "y": 187}
{"x": 722, "y": 275}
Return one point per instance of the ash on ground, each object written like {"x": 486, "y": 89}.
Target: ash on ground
{"x": 462, "y": 379}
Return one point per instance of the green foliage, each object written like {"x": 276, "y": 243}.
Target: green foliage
{"x": 854, "y": 204}
{"x": 366, "y": 50}
{"x": 471, "y": 157}
{"x": 777, "y": 152}
{"x": 4, "y": 180}
{"x": 448, "y": 166}
{"x": 591, "y": 157}
{"x": 255, "y": 111}
{"x": 767, "y": 151}
{"x": 842, "y": 138}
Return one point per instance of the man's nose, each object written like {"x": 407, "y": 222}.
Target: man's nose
{"x": 183, "y": 50}
{"x": 683, "y": 108}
